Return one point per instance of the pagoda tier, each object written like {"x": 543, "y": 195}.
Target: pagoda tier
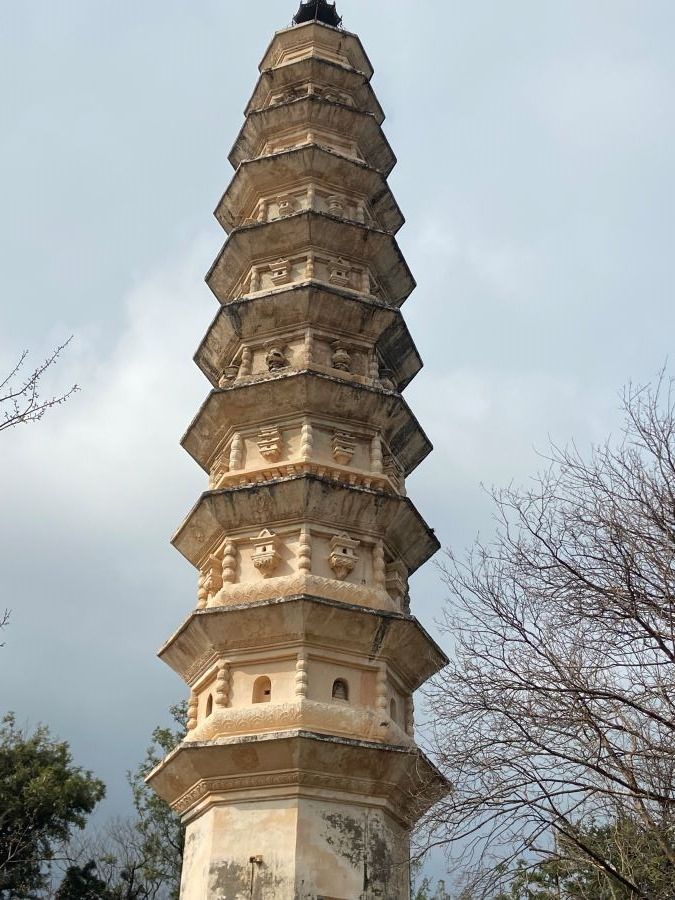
{"x": 308, "y": 319}
{"x": 299, "y": 776}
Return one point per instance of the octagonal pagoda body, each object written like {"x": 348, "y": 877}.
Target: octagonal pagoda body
{"x": 299, "y": 776}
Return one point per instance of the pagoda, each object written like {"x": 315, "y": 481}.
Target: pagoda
{"x": 299, "y": 777}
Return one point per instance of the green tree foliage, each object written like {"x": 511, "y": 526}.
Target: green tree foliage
{"x": 44, "y": 797}
{"x": 160, "y": 832}
{"x": 140, "y": 859}
{"x": 571, "y": 874}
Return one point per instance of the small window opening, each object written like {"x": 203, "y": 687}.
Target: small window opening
{"x": 393, "y": 711}
{"x": 340, "y": 690}
{"x": 209, "y": 706}
{"x": 262, "y": 690}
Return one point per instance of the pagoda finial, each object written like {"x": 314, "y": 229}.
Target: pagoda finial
{"x": 317, "y": 11}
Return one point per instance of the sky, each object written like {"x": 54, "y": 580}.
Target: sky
{"x": 535, "y": 145}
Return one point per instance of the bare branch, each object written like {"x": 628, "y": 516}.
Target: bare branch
{"x": 20, "y": 400}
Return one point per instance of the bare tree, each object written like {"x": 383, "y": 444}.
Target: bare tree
{"x": 4, "y": 621}
{"x": 557, "y": 716}
{"x": 20, "y": 399}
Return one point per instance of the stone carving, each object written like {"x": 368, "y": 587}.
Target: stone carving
{"x": 270, "y": 444}
{"x": 397, "y": 581}
{"x": 341, "y": 358}
{"x": 382, "y": 692}
{"x": 335, "y": 204}
{"x": 275, "y": 358}
{"x": 213, "y": 579}
{"x": 281, "y": 272}
{"x": 344, "y": 445}
{"x": 305, "y": 550}
{"x": 236, "y": 452}
{"x": 379, "y": 569}
{"x": 287, "y": 206}
{"x": 265, "y": 557}
{"x": 246, "y": 365}
{"x": 202, "y": 593}
{"x": 343, "y": 556}
{"x": 307, "y": 441}
{"x": 387, "y": 380}
{"x": 394, "y": 472}
{"x": 229, "y": 562}
{"x": 229, "y": 375}
{"x": 192, "y": 711}
{"x": 223, "y": 682}
{"x": 376, "y": 454}
{"x": 301, "y": 678}
{"x": 340, "y": 272}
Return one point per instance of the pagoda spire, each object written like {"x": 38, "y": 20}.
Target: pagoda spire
{"x": 317, "y": 11}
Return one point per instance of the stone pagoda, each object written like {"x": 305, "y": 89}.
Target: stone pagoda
{"x": 299, "y": 777}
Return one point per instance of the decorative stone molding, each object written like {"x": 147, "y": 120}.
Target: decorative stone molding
{"x": 376, "y": 461}
{"x": 246, "y": 365}
{"x": 307, "y": 441}
{"x": 281, "y": 272}
{"x": 270, "y": 444}
{"x": 305, "y": 550}
{"x": 223, "y": 685}
{"x": 229, "y": 562}
{"x": 341, "y": 358}
{"x": 394, "y": 472}
{"x": 193, "y": 705}
{"x": 343, "y": 556}
{"x": 332, "y": 718}
{"x": 202, "y": 593}
{"x": 379, "y": 570}
{"x": 304, "y": 583}
{"x": 382, "y": 691}
{"x": 236, "y": 452}
{"x": 344, "y": 445}
{"x": 265, "y": 557}
{"x": 301, "y": 677}
{"x": 410, "y": 717}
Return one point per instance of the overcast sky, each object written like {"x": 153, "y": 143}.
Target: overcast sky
{"x": 535, "y": 144}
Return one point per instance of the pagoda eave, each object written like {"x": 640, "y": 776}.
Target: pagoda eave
{"x": 337, "y": 125}
{"x": 262, "y": 244}
{"x": 311, "y": 163}
{"x": 290, "y": 763}
{"x": 396, "y": 638}
{"x": 295, "y": 499}
{"x": 316, "y": 71}
{"x": 321, "y": 41}
{"x": 300, "y": 392}
{"x": 319, "y": 306}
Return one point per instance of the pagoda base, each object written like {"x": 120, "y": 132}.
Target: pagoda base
{"x": 297, "y": 816}
{"x": 296, "y": 848}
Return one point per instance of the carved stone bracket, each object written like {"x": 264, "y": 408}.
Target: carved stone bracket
{"x": 270, "y": 443}
{"x": 343, "y": 556}
{"x": 265, "y": 557}
{"x": 344, "y": 445}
